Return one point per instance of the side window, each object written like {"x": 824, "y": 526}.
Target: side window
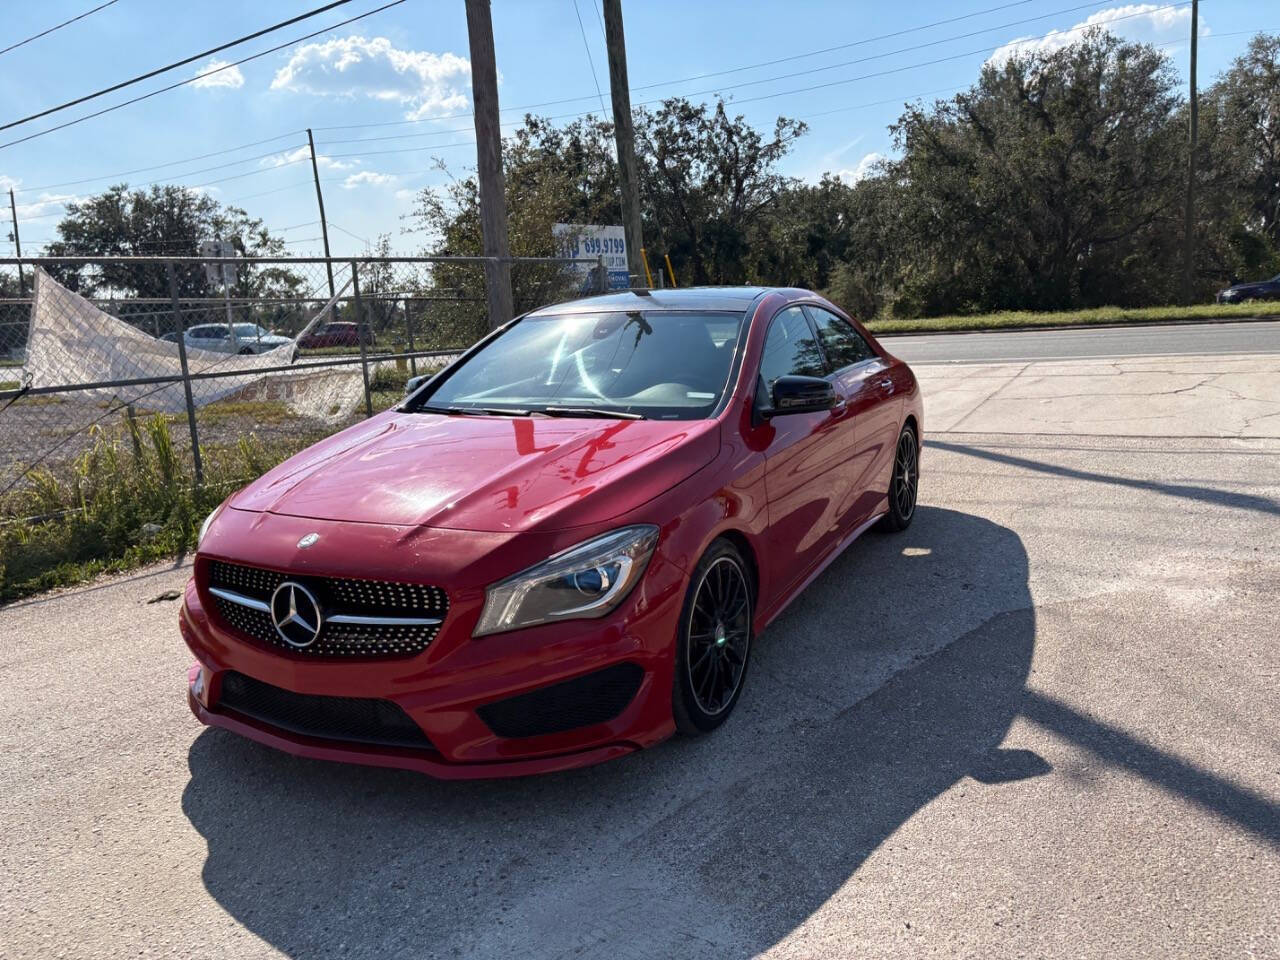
{"x": 843, "y": 344}
{"x": 790, "y": 348}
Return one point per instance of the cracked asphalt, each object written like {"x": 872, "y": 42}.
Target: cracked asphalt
{"x": 1041, "y": 722}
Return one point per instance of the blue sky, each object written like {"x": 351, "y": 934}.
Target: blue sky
{"x": 407, "y": 68}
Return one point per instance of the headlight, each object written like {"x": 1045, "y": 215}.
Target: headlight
{"x": 204, "y": 527}
{"x": 585, "y": 581}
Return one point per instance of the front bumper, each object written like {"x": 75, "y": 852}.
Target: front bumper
{"x": 444, "y": 689}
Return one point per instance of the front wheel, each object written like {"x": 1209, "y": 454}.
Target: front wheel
{"x": 714, "y": 643}
{"x": 905, "y": 483}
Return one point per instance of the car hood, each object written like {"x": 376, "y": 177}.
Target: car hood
{"x": 484, "y": 473}
{"x": 1245, "y": 287}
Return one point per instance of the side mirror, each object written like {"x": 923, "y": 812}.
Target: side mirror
{"x": 413, "y": 383}
{"x": 795, "y": 394}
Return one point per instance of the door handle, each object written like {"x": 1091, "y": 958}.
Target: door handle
{"x": 886, "y": 384}
{"x": 839, "y": 405}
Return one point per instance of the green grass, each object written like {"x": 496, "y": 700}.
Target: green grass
{"x": 1075, "y": 318}
{"x": 129, "y": 500}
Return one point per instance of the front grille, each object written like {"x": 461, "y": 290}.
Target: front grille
{"x": 580, "y": 702}
{"x": 349, "y": 719}
{"x": 366, "y": 598}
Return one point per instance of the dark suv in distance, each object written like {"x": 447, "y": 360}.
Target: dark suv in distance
{"x": 336, "y": 334}
{"x": 1262, "y": 290}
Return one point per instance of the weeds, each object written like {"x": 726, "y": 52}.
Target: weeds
{"x": 128, "y": 499}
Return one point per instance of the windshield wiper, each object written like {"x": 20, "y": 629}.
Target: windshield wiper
{"x": 590, "y": 412}
{"x": 474, "y": 411}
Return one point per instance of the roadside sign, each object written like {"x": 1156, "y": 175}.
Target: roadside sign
{"x": 219, "y": 274}
{"x": 586, "y": 242}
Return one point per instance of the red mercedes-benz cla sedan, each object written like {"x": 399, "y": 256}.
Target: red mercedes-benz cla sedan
{"x": 562, "y": 547}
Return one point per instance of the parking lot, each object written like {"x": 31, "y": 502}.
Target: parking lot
{"x": 1041, "y": 722}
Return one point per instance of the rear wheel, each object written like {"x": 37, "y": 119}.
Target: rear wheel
{"x": 714, "y": 643}
{"x": 246, "y": 351}
{"x": 905, "y": 483}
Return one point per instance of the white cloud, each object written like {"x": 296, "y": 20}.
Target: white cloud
{"x": 1136, "y": 21}
{"x": 368, "y": 177}
{"x": 356, "y": 66}
{"x": 304, "y": 153}
{"x": 46, "y": 205}
{"x": 230, "y": 78}
{"x": 866, "y": 168}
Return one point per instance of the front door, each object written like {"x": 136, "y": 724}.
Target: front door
{"x": 863, "y": 376}
{"x": 807, "y": 461}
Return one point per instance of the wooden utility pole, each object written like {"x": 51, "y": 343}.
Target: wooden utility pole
{"x": 1189, "y": 224}
{"x": 624, "y": 134}
{"x": 324, "y": 224}
{"x": 17, "y": 244}
{"x": 493, "y": 199}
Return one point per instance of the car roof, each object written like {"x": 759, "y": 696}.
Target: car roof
{"x": 684, "y": 298}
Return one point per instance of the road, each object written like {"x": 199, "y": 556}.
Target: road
{"x": 1041, "y": 722}
{"x": 1206, "y": 339}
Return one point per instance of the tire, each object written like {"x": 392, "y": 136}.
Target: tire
{"x": 713, "y": 646}
{"x": 904, "y": 486}
{"x": 246, "y": 351}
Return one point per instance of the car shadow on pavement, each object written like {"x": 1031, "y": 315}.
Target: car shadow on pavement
{"x": 1211, "y": 495}
{"x": 893, "y": 678}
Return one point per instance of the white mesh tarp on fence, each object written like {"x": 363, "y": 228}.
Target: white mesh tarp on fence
{"x": 71, "y": 341}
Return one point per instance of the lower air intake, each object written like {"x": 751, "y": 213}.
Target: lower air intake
{"x": 349, "y": 719}
{"x": 581, "y": 702}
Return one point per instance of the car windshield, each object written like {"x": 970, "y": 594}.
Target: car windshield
{"x": 250, "y": 330}
{"x": 669, "y": 365}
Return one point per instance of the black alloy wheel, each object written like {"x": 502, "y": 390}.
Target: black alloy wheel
{"x": 714, "y": 645}
{"x": 905, "y": 484}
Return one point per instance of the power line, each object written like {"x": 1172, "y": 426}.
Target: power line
{"x": 180, "y": 83}
{"x": 883, "y": 36}
{"x": 750, "y": 66}
{"x": 429, "y": 147}
{"x": 169, "y": 163}
{"x": 173, "y": 66}
{"x": 64, "y": 23}
{"x": 364, "y": 240}
{"x": 929, "y": 63}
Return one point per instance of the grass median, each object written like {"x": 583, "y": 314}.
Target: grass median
{"x": 1020, "y": 319}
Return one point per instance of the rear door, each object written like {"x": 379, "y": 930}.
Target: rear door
{"x": 807, "y": 469}
{"x": 863, "y": 376}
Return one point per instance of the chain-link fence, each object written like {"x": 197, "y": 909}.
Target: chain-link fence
{"x": 234, "y": 364}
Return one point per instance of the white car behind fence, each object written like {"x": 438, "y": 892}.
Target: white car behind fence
{"x": 241, "y": 338}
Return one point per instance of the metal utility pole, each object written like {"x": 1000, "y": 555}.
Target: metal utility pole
{"x": 493, "y": 191}
{"x": 17, "y": 243}
{"x": 624, "y": 134}
{"x": 1189, "y": 225}
{"x": 324, "y": 224}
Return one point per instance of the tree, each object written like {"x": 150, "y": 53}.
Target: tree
{"x": 166, "y": 220}
{"x": 1239, "y": 164}
{"x": 1053, "y": 182}
{"x": 707, "y": 181}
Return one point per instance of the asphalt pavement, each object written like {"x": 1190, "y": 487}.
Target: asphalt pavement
{"x": 1187, "y": 339}
{"x": 1039, "y": 723}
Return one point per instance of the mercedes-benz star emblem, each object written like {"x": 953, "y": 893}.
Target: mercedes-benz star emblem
{"x": 296, "y": 614}
{"x": 308, "y": 540}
